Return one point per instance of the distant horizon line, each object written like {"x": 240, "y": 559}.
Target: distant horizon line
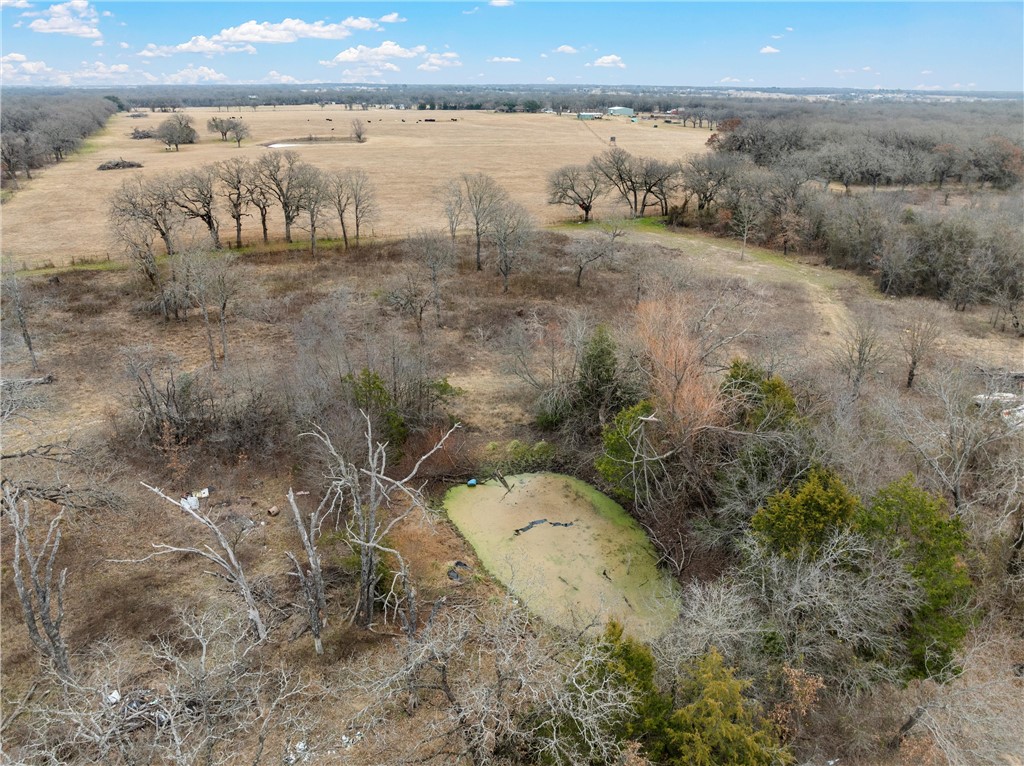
{"x": 480, "y": 86}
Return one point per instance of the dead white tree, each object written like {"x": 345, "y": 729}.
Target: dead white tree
{"x": 311, "y": 577}
{"x": 369, "y": 495}
{"x": 222, "y": 556}
{"x": 40, "y": 588}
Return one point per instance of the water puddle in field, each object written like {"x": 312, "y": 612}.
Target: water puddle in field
{"x": 570, "y": 552}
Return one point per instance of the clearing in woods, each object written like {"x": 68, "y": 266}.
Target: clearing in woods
{"x": 61, "y": 216}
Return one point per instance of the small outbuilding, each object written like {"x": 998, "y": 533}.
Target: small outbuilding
{"x": 589, "y": 115}
{"x": 620, "y": 111}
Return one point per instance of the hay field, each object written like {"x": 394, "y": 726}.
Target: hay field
{"x": 61, "y": 215}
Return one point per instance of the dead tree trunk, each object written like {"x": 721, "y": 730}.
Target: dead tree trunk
{"x": 42, "y": 597}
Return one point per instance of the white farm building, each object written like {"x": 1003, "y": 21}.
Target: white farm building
{"x": 620, "y": 111}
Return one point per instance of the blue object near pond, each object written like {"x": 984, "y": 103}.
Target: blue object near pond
{"x": 471, "y": 482}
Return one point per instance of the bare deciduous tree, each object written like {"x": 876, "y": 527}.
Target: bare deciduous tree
{"x": 491, "y": 685}
{"x": 621, "y": 169}
{"x": 432, "y": 254}
{"x": 314, "y": 196}
{"x": 359, "y": 130}
{"x": 511, "y": 230}
{"x": 223, "y": 556}
{"x": 372, "y": 499}
{"x": 453, "y": 202}
{"x": 278, "y": 174}
{"x": 233, "y": 174}
{"x": 949, "y": 432}
{"x": 14, "y": 305}
{"x": 918, "y": 339}
{"x": 195, "y": 195}
{"x": 860, "y": 348}
{"x": 576, "y": 185}
{"x": 364, "y": 199}
{"x": 594, "y": 249}
{"x": 40, "y": 588}
{"x": 481, "y": 198}
{"x": 311, "y": 577}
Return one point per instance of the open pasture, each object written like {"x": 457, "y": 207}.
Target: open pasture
{"x": 61, "y": 215}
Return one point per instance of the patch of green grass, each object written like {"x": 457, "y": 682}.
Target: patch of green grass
{"x": 85, "y": 265}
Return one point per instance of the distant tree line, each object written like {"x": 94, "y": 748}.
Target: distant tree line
{"x": 39, "y": 131}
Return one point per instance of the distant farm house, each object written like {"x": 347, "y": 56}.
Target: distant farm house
{"x": 620, "y": 111}
{"x": 589, "y": 115}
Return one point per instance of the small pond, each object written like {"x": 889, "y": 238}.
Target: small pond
{"x": 569, "y": 551}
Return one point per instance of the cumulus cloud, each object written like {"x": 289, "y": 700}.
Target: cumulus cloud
{"x": 789, "y": 29}
{"x": 16, "y": 68}
{"x": 865, "y": 69}
{"x": 503, "y": 60}
{"x": 730, "y": 79}
{"x": 437, "y": 61}
{"x": 15, "y": 4}
{"x": 362, "y": 54}
{"x": 565, "y": 49}
{"x": 97, "y": 43}
{"x": 124, "y": 46}
{"x": 391, "y": 18}
{"x": 769, "y": 49}
{"x": 192, "y": 75}
{"x": 292, "y": 30}
{"x": 239, "y": 39}
{"x": 501, "y": 3}
{"x": 75, "y": 17}
{"x": 207, "y": 46}
{"x": 777, "y": 37}
{"x": 611, "y": 60}
{"x": 368, "y": 72}
{"x": 276, "y": 77}
{"x": 549, "y": 79}
{"x": 927, "y": 71}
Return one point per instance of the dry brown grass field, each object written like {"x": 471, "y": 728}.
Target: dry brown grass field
{"x": 61, "y": 216}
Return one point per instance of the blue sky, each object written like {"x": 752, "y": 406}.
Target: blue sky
{"x": 911, "y": 45}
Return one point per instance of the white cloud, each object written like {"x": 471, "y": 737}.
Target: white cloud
{"x": 927, "y": 71}
{"x": 75, "y": 17}
{"x": 503, "y": 60}
{"x": 362, "y": 54}
{"x": 611, "y": 60}
{"x": 15, "y": 4}
{"x": 789, "y": 29}
{"x": 865, "y": 69}
{"x": 436, "y": 61}
{"x": 842, "y": 72}
{"x": 292, "y": 30}
{"x": 730, "y": 79}
{"x": 471, "y": 12}
{"x": 239, "y": 39}
{"x": 565, "y": 49}
{"x": 208, "y": 46}
{"x": 777, "y": 37}
{"x": 549, "y": 79}
{"x": 927, "y": 87}
{"x": 365, "y": 73}
{"x": 274, "y": 76}
{"x": 97, "y": 43}
{"x": 769, "y": 49}
{"x": 191, "y": 75}
{"x": 501, "y": 3}
{"x": 16, "y": 68}
{"x": 543, "y": 55}
{"x": 124, "y": 46}
{"x": 391, "y": 18}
